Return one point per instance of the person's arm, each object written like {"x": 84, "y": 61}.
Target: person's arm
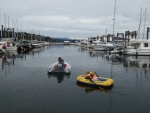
{"x": 62, "y": 62}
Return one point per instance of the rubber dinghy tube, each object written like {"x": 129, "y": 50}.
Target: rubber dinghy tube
{"x": 96, "y": 84}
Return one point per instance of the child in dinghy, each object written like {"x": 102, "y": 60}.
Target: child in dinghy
{"x": 91, "y": 75}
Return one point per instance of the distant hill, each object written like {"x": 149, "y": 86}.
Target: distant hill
{"x": 61, "y": 39}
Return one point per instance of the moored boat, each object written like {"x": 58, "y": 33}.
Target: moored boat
{"x": 24, "y": 46}
{"x": 66, "y": 42}
{"x": 138, "y": 47}
{"x": 103, "y": 46}
{"x": 101, "y": 82}
{"x": 10, "y": 46}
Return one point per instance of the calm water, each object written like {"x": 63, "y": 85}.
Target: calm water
{"x": 25, "y": 86}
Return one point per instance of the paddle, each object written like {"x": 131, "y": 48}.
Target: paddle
{"x": 95, "y": 83}
{"x": 99, "y": 86}
{"x": 96, "y": 74}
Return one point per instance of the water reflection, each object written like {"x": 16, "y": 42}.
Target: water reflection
{"x": 126, "y": 61}
{"x": 81, "y": 49}
{"x": 6, "y": 61}
{"x": 37, "y": 50}
{"x": 28, "y": 72}
{"x": 117, "y": 59}
{"x": 89, "y": 89}
{"x": 12, "y": 58}
{"x": 58, "y": 75}
{"x": 137, "y": 61}
{"x": 93, "y": 53}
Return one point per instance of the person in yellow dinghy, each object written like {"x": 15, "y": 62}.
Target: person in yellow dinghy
{"x": 91, "y": 75}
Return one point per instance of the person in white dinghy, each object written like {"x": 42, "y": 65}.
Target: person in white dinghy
{"x": 60, "y": 63}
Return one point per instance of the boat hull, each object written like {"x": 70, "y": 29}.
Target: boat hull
{"x": 101, "y": 82}
{"x": 53, "y": 68}
{"x": 136, "y": 52}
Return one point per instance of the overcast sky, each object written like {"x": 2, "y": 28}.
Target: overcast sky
{"x": 74, "y": 18}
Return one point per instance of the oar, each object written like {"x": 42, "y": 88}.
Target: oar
{"x": 99, "y": 86}
{"x": 96, "y": 84}
{"x": 96, "y": 74}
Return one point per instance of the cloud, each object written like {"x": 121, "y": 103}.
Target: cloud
{"x": 78, "y": 18}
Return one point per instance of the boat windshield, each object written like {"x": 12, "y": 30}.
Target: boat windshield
{"x": 135, "y": 45}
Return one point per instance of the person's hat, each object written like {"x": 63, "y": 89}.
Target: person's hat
{"x": 87, "y": 72}
{"x": 59, "y": 57}
{"x": 92, "y": 73}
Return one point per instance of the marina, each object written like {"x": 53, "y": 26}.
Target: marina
{"x": 26, "y": 86}
{"x": 74, "y": 57}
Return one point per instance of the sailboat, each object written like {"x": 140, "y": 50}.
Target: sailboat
{"x": 105, "y": 46}
{"x": 138, "y": 46}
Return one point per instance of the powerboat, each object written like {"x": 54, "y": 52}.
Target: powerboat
{"x": 138, "y": 47}
{"x": 103, "y": 46}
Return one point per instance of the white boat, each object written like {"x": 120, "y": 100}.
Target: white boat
{"x": 10, "y": 46}
{"x": 138, "y": 47}
{"x": 46, "y": 43}
{"x": 85, "y": 44}
{"x": 37, "y": 44}
{"x": 103, "y": 46}
{"x": 117, "y": 50}
{"x": 56, "y": 67}
{"x": 78, "y": 43}
{"x": 66, "y": 42}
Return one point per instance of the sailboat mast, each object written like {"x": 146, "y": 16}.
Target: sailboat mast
{"x": 144, "y": 23}
{"x": 5, "y": 24}
{"x": 1, "y": 24}
{"x": 114, "y": 18}
{"x": 17, "y": 29}
{"x": 140, "y": 23}
{"x": 8, "y": 27}
{"x": 113, "y": 33}
{"x": 106, "y": 35}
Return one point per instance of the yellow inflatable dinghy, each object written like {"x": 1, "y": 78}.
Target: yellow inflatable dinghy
{"x": 100, "y": 82}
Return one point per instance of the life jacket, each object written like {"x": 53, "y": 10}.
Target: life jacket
{"x": 65, "y": 65}
{"x": 4, "y": 46}
{"x": 88, "y": 76}
{"x": 94, "y": 77}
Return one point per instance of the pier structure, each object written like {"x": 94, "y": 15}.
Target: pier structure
{"x": 11, "y": 33}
